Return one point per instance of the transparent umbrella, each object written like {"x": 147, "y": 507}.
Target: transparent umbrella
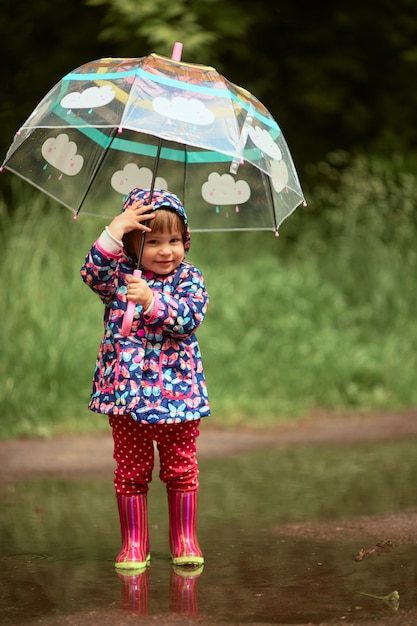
{"x": 115, "y": 124}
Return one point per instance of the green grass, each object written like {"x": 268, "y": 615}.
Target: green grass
{"x": 322, "y": 317}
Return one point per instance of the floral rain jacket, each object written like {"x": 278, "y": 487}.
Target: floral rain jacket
{"x": 156, "y": 373}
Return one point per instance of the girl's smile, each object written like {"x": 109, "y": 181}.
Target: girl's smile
{"x": 163, "y": 252}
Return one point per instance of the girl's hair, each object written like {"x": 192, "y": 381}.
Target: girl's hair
{"x": 165, "y": 220}
{"x": 168, "y": 220}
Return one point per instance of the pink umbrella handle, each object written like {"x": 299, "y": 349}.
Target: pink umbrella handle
{"x": 177, "y": 51}
{"x": 129, "y": 313}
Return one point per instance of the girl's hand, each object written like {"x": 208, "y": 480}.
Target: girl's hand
{"x": 133, "y": 218}
{"x": 138, "y": 291}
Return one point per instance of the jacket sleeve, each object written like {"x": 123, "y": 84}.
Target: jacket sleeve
{"x": 180, "y": 313}
{"x": 101, "y": 271}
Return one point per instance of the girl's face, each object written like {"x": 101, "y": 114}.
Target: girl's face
{"x": 163, "y": 251}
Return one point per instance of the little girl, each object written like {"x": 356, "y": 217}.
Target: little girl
{"x": 151, "y": 383}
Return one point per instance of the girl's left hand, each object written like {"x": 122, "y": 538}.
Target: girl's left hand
{"x": 138, "y": 291}
{"x": 138, "y": 216}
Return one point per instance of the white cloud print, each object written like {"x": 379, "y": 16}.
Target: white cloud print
{"x": 263, "y": 140}
{"x": 131, "y": 176}
{"x": 88, "y": 99}
{"x": 192, "y": 111}
{"x": 61, "y": 153}
{"x": 279, "y": 175}
{"x": 223, "y": 189}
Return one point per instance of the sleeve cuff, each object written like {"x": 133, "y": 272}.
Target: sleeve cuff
{"x": 149, "y": 310}
{"x": 152, "y": 312}
{"x": 109, "y": 243}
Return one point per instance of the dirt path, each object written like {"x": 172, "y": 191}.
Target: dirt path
{"x": 90, "y": 456}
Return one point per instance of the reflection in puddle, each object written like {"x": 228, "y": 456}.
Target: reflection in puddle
{"x": 58, "y": 540}
{"x": 183, "y": 596}
{"x": 135, "y": 592}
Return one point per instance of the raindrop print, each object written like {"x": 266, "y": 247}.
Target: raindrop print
{"x": 237, "y": 209}
{"x": 217, "y": 209}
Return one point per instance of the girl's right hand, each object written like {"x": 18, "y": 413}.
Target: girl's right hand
{"x": 133, "y": 218}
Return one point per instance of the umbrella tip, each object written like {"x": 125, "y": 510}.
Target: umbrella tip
{"x": 75, "y": 217}
{"x": 177, "y": 51}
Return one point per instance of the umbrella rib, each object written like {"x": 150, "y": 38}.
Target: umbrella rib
{"x": 185, "y": 167}
{"x": 100, "y": 161}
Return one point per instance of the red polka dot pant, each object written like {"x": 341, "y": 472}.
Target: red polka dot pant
{"x": 134, "y": 454}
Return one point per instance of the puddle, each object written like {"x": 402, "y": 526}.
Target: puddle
{"x": 266, "y": 562}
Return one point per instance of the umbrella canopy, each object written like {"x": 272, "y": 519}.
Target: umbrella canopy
{"x": 115, "y": 124}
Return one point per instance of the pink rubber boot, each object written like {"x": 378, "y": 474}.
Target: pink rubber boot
{"x": 133, "y": 513}
{"x": 183, "y": 540}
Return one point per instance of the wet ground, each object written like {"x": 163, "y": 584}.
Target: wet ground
{"x": 313, "y": 523}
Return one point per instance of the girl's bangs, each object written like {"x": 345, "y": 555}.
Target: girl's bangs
{"x": 167, "y": 220}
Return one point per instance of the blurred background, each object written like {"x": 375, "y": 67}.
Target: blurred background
{"x": 322, "y": 318}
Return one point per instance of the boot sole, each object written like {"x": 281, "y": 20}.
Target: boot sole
{"x": 191, "y": 561}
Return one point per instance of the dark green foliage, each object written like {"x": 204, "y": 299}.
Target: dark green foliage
{"x": 323, "y": 316}
{"x": 342, "y": 77}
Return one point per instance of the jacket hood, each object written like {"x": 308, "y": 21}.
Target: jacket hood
{"x": 161, "y": 199}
